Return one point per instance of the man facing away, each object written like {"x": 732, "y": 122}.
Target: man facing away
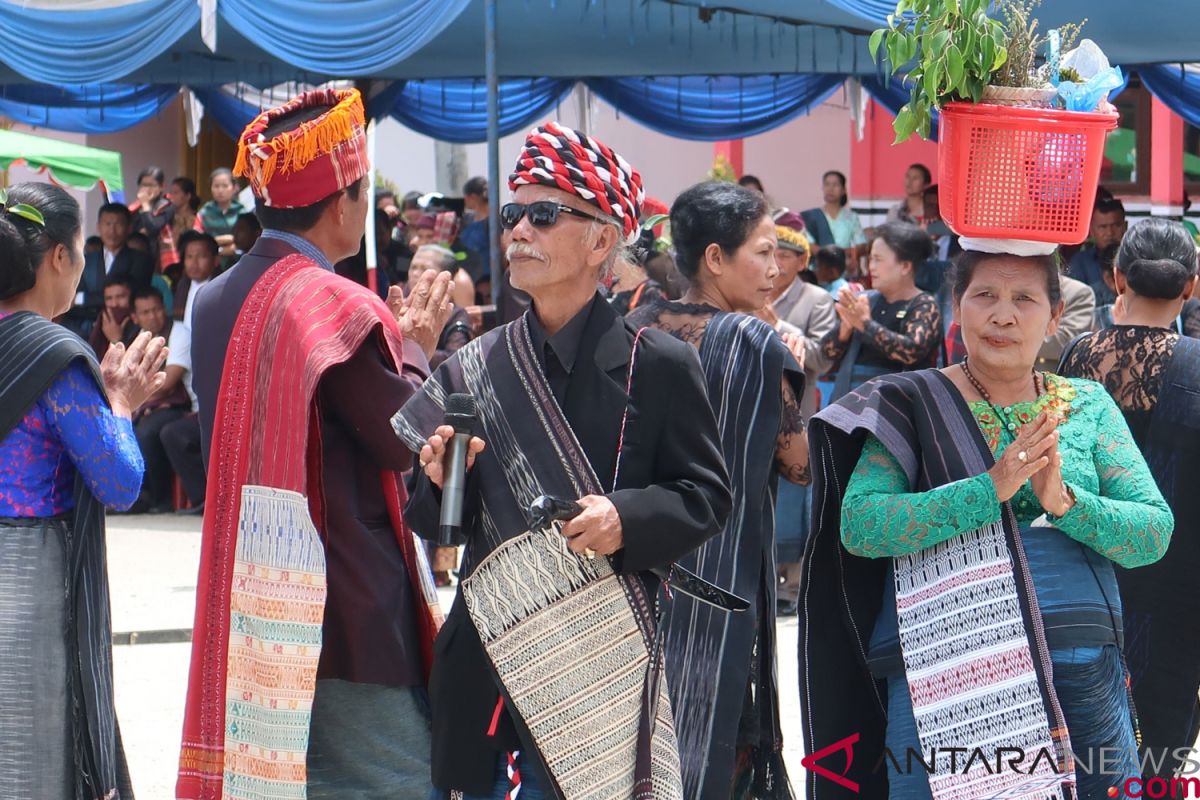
{"x": 314, "y": 612}
{"x": 551, "y": 636}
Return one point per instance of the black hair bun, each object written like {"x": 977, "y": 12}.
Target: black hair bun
{"x": 1158, "y": 279}
{"x": 17, "y": 271}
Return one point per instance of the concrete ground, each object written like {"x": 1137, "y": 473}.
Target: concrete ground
{"x": 152, "y": 565}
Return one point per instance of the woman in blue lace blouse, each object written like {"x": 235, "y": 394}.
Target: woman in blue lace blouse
{"x": 67, "y": 449}
{"x": 971, "y": 518}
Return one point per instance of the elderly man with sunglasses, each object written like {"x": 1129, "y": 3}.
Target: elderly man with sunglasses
{"x": 551, "y": 639}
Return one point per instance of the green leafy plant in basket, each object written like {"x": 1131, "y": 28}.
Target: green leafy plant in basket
{"x": 953, "y": 47}
{"x": 954, "y": 51}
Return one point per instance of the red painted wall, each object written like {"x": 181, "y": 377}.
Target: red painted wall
{"x": 877, "y": 166}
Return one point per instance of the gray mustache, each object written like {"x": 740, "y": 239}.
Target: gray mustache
{"x": 520, "y": 249}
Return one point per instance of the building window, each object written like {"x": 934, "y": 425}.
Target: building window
{"x": 1126, "y": 169}
{"x": 1191, "y": 160}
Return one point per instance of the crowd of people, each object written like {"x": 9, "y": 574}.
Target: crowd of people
{"x": 966, "y": 473}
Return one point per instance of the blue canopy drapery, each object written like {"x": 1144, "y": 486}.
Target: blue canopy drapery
{"x": 90, "y": 45}
{"x": 715, "y": 108}
{"x": 696, "y": 107}
{"x": 358, "y": 38}
{"x": 102, "y": 108}
{"x": 456, "y": 110}
{"x": 1176, "y": 85}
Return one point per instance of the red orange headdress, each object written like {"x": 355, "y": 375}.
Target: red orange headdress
{"x": 301, "y": 166}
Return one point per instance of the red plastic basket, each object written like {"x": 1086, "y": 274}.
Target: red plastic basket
{"x": 1020, "y": 173}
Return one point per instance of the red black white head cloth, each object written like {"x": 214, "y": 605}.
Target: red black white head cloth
{"x": 566, "y": 159}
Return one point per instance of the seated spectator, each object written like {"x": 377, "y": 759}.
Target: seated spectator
{"x": 153, "y": 214}
{"x": 166, "y": 405}
{"x": 182, "y": 194}
{"x": 474, "y": 236}
{"x": 201, "y": 255}
{"x": 115, "y": 258}
{"x": 422, "y": 232}
{"x": 181, "y": 438}
{"x": 912, "y": 208}
{"x": 945, "y": 243}
{"x": 218, "y": 216}
{"x": 1108, "y": 226}
{"x": 829, "y": 262}
{"x": 1079, "y": 313}
{"x": 1104, "y": 311}
{"x": 457, "y": 331}
{"x": 139, "y": 242}
{"x": 115, "y": 322}
{"x": 246, "y": 231}
{"x": 181, "y": 442}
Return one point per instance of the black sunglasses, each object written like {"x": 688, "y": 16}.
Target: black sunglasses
{"x": 542, "y": 214}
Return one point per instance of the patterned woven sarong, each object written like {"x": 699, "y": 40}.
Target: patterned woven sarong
{"x": 971, "y": 634}
{"x": 261, "y": 595}
{"x": 970, "y": 667}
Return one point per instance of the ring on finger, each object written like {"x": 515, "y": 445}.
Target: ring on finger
{"x": 590, "y": 553}
{"x": 1022, "y": 456}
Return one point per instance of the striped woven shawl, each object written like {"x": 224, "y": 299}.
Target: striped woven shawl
{"x": 36, "y": 351}
{"x": 975, "y": 656}
{"x": 261, "y": 594}
{"x": 570, "y": 641}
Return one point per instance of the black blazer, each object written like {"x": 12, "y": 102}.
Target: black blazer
{"x": 133, "y": 264}
{"x": 673, "y": 495}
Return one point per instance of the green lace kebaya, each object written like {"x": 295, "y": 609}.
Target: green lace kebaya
{"x": 1118, "y": 512}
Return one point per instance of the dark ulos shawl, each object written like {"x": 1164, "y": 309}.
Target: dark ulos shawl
{"x": 709, "y": 652}
{"x": 532, "y": 450}
{"x": 36, "y": 351}
{"x": 926, "y": 425}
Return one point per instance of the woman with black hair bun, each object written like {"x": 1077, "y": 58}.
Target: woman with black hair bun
{"x": 67, "y": 450}
{"x": 1153, "y": 374}
{"x": 721, "y": 667}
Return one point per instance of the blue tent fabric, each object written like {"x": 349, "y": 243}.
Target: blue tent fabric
{"x": 91, "y": 46}
{"x": 715, "y": 108}
{"x": 1176, "y": 85}
{"x": 358, "y": 38}
{"x": 103, "y": 108}
{"x": 230, "y": 113}
{"x": 456, "y": 110}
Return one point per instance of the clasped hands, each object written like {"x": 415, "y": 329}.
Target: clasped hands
{"x": 1033, "y": 456}
{"x": 597, "y": 530}
{"x": 854, "y": 311}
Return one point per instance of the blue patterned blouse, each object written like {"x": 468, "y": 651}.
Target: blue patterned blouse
{"x": 70, "y": 428}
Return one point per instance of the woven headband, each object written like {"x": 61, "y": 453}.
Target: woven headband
{"x": 566, "y": 159}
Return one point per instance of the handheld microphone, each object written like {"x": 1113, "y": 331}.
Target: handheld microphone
{"x": 460, "y": 415}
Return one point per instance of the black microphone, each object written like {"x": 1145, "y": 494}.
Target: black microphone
{"x": 460, "y": 415}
